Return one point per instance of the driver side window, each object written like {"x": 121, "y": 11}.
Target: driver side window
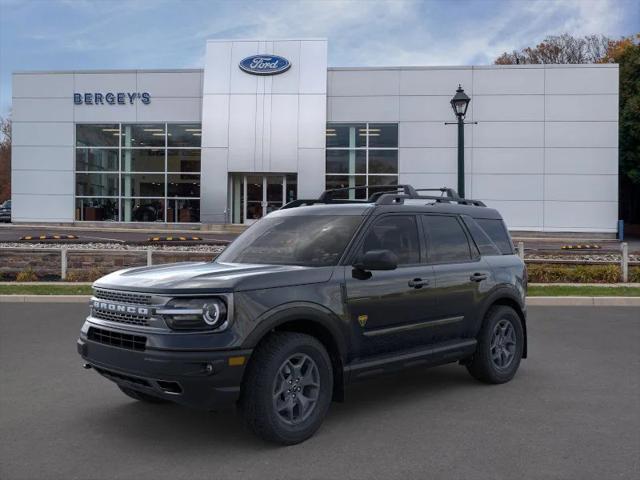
{"x": 396, "y": 233}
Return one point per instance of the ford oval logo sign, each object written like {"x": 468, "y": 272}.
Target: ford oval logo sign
{"x": 265, "y": 64}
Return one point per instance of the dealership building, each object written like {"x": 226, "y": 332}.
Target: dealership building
{"x": 266, "y": 122}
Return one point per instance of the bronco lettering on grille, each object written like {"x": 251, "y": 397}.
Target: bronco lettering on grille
{"x": 117, "y": 308}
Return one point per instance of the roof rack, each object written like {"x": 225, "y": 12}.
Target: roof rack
{"x": 388, "y": 195}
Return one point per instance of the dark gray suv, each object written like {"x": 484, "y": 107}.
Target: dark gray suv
{"x": 314, "y": 296}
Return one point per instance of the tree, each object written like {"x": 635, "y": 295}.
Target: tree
{"x": 563, "y": 48}
{"x": 626, "y": 53}
{"x": 600, "y": 49}
{"x": 5, "y": 159}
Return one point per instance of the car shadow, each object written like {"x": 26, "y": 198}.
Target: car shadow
{"x": 184, "y": 429}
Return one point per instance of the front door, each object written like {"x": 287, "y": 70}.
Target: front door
{"x": 252, "y": 196}
{"x": 391, "y": 310}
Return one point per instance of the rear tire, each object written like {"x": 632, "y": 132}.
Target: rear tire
{"x": 500, "y": 344}
{"x": 287, "y": 389}
{"x": 142, "y": 397}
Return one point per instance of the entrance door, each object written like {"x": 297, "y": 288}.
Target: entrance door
{"x": 252, "y": 196}
{"x": 254, "y": 199}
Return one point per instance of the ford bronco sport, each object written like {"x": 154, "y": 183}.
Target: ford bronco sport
{"x": 313, "y": 296}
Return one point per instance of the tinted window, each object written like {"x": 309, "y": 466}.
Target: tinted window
{"x": 312, "y": 240}
{"x": 398, "y": 234}
{"x": 105, "y": 135}
{"x": 447, "y": 240}
{"x": 482, "y": 240}
{"x": 498, "y": 233}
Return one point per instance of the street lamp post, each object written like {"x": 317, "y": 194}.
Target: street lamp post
{"x": 460, "y": 103}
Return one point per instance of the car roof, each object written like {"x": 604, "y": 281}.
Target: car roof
{"x": 366, "y": 208}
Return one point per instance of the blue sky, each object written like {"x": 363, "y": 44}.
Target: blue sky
{"x": 105, "y": 34}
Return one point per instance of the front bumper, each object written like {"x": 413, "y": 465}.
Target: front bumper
{"x": 201, "y": 379}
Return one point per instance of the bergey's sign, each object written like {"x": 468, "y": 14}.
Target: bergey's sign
{"x": 110, "y": 98}
{"x": 265, "y": 64}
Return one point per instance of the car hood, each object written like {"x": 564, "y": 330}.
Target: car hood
{"x": 196, "y": 277}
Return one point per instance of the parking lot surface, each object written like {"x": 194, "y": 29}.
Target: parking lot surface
{"x": 572, "y": 412}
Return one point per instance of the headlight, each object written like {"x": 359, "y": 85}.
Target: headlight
{"x": 195, "y": 314}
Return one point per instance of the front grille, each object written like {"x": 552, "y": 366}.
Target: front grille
{"x": 124, "y": 297}
{"x": 128, "y": 318}
{"x": 117, "y": 339}
{"x": 115, "y": 376}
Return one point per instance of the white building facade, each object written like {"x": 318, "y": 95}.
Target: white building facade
{"x": 266, "y": 122}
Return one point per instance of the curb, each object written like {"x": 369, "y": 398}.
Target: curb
{"x": 603, "y": 285}
{"x": 531, "y": 301}
{"x": 584, "y": 301}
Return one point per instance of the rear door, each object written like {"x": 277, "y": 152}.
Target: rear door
{"x": 462, "y": 277}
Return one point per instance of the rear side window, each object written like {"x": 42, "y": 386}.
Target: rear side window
{"x": 484, "y": 243}
{"x": 397, "y": 233}
{"x": 447, "y": 242}
{"x": 497, "y": 233}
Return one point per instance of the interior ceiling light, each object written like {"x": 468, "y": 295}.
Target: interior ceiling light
{"x": 153, "y": 129}
{"x": 110, "y": 129}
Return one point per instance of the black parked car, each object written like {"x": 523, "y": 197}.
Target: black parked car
{"x": 5, "y": 211}
{"x": 314, "y": 296}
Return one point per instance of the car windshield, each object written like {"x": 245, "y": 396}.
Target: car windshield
{"x": 6, "y": 204}
{"x": 313, "y": 241}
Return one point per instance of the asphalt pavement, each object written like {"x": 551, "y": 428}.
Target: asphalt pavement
{"x": 572, "y": 412}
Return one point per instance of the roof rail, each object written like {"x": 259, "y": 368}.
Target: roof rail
{"x": 388, "y": 195}
{"x": 406, "y": 189}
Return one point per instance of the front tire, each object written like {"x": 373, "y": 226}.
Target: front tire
{"x": 288, "y": 388}
{"x": 500, "y": 345}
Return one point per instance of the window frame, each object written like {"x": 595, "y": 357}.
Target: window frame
{"x": 119, "y": 198}
{"x": 474, "y": 253}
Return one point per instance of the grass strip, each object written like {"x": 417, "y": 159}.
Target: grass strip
{"x": 52, "y": 289}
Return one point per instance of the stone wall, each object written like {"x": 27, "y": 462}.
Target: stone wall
{"x": 84, "y": 265}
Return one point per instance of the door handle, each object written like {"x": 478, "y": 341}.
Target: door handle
{"x": 478, "y": 277}
{"x": 418, "y": 283}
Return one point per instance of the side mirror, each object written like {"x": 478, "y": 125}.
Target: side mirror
{"x": 377, "y": 260}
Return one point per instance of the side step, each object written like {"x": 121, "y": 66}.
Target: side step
{"x": 437, "y": 354}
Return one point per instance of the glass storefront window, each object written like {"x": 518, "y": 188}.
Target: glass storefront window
{"x": 367, "y": 152}
{"x": 344, "y": 181}
{"x": 96, "y": 184}
{"x": 96, "y": 209}
{"x": 143, "y": 160}
{"x": 183, "y": 161}
{"x": 143, "y": 209}
{"x": 346, "y": 136}
{"x": 346, "y": 161}
{"x": 133, "y": 172}
{"x": 94, "y": 135}
{"x": 383, "y": 135}
{"x": 143, "y": 185}
{"x": 183, "y": 185}
{"x": 96, "y": 160}
{"x": 184, "y": 135}
{"x": 183, "y": 211}
{"x": 383, "y": 161}
{"x": 143, "y": 135}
